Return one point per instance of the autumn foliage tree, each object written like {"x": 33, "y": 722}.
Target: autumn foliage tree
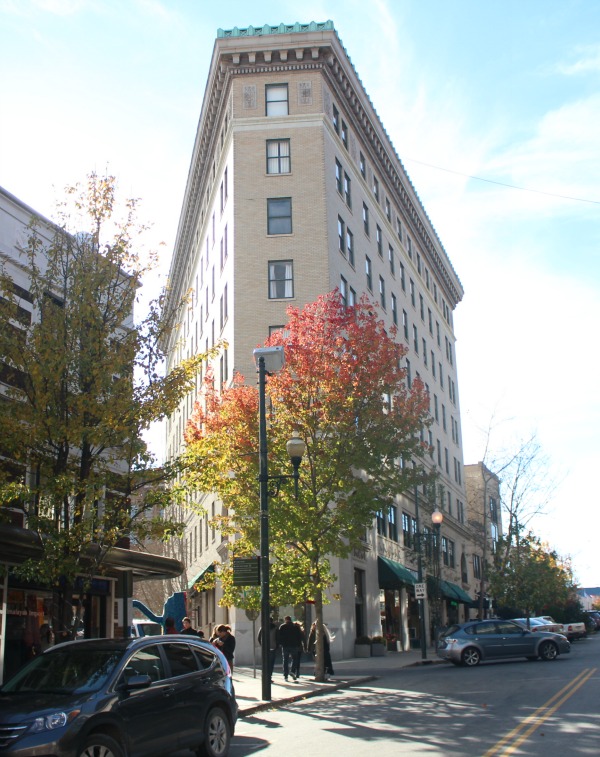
{"x": 343, "y": 390}
{"x": 88, "y": 382}
{"x": 526, "y": 574}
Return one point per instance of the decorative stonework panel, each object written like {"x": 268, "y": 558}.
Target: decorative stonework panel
{"x": 305, "y": 93}
{"x": 327, "y": 101}
{"x": 249, "y": 96}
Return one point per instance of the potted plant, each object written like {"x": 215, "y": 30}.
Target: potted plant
{"x": 362, "y": 646}
{"x": 378, "y": 646}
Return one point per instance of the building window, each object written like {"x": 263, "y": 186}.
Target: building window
{"x": 393, "y": 523}
{"x": 422, "y": 307}
{"x": 382, "y": 292}
{"x": 347, "y": 190}
{"x": 279, "y": 215}
{"x": 405, "y": 324}
{"x": 412, "y": 293}
{"x": 460, "y": 511}
{"x": 343, "y": 291}
{"x": 399, "y": 228}
{"x": 278, "y": 156}
{"x": 351, "y": 298}
{"x": 344, "y": 134}
{"x": 394, "y": 310}
{"x": 366, "y": 219}
{"x": 391, "y": 259}
{"x": 381, "y": 529}
{"x": 336, "y": 120}
{"x": 369, "y": 273}
{"x": 402, "y": 277}
{"x": 477, "y": 566}
{"x": 341, "y": 235}
{"x": 388, "y": 209}
{"x": 408, "y": 374}
{"x": 376, "y": 188}
{"x": 350, "y": 246}
{"x": 379, "y": 240}
{"x": 363, "y": 167}
{"x": 276, "y": 96}
{"x": 406, "y": 530}
{"x": 338, "y": 175}
{"x": 281, "y": 279}
{"x": 409, "y": 243}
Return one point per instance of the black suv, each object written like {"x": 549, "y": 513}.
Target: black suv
{"x": 111, "y": 698}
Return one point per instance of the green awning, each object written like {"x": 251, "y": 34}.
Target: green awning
{"x": 393, "y": 575}
{"x": 461, "y": 594}
{"x": 452, "y": 591}
{"x": 209, "y": 569}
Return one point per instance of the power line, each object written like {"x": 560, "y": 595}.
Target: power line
{"x": 503, "y": 184}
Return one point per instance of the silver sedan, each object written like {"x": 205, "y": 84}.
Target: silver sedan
{"x": 470, "y": 643}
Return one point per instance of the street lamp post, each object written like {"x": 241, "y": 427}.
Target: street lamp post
{"x": 436, "y": 518}
{"x": 269, "y": 360}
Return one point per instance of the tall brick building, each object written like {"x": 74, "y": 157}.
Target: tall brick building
{"x": 295, "y": 189}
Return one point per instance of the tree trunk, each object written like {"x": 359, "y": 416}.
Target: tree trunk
{"x": 320, "y": 647}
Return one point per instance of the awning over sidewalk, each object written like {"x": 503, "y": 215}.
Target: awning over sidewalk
{"x": 200, "y": 576}
{"x": 393, "y": 575}
{"x": 452, "y": 591}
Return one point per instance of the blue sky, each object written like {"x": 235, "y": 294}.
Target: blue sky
{"x": 507, "y": 91}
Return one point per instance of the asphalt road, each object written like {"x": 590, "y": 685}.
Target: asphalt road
{"x": 537, "y": 709}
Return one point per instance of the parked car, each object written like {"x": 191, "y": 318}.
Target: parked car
{"x": 572, "y": 631}
{"x": 594, "y": 619}
{"x": 111, "y": 698}
{"x": 539, "y": 624}
{"x": 145, "y": 628}
{"x": 470, "y": 643}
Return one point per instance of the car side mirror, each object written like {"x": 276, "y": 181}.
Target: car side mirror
{"x": 136, "y": 682}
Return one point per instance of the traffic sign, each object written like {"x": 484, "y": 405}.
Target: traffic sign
{"x": 421, "y": 591}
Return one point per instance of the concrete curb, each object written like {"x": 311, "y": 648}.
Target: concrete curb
{"x": 276, "y": 703}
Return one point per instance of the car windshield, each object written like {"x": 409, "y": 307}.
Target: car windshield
{"x": 70, "y": 671}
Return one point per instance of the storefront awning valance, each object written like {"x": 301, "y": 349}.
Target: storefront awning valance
{"x": 452, "y": 591}
{"x": 200, "y": 576}
{"x": 393, "y": 575}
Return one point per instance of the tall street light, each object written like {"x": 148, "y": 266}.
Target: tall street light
{"x": 269, "y": 360}
{"x": 436, "y": 519}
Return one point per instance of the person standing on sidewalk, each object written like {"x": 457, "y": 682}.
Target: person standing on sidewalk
{"x": 312, "y": 648}
{"x": 273, "y": 644}
{"x": 299, "y": 651}
{"x": 290, "y": 638}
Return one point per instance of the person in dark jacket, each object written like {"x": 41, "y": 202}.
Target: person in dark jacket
{"x": 273, "y": 644}
{"x": 170, "y": 625}
{"x": 224, "y": 641}
{"x": 290, "y": 638}
{"x": 187, "y": 628}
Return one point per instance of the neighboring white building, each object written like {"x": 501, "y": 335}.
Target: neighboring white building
{"x": 294, "y": 189}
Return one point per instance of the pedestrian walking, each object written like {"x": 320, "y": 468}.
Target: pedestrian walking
{"x": 273, "y": 645}
{"x": 290, "y": 638}
{"x": 299, "y": 652}
{"x": 224, "y": 640}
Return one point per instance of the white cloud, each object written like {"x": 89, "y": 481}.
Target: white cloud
{"x": 589, "y": 62}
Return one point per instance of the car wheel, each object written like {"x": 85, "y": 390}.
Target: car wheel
{"x": 548, "y": 651}
{"x": 471, "y": 657}
{"x": 217, "y": 735}
{"x": 99, "y": 745}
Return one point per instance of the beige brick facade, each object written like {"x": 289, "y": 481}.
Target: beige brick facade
{"x": 341, "y": 160}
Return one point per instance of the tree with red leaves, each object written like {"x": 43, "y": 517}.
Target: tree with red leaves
{"x": 344, "y": 391}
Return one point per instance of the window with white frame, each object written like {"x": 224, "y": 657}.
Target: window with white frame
{"x": 276, "y": 99}
{"x": 278, "y": 156}
{"x": 369, "y": 273}
{"x": 350, "y": 246}
{"x": 281, "y": 279}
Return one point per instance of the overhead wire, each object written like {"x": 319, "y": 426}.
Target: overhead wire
{"x": 502, "y": 183}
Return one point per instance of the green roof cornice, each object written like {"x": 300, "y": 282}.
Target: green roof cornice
{"x": 261, "y": 31}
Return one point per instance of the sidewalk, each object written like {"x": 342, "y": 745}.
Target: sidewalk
{"x": 351, "y": 672}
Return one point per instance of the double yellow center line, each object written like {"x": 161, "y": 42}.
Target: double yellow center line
{"x": 517, "y": 736}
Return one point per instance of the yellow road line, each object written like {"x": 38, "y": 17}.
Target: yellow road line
{"x": 535, "y": 720}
